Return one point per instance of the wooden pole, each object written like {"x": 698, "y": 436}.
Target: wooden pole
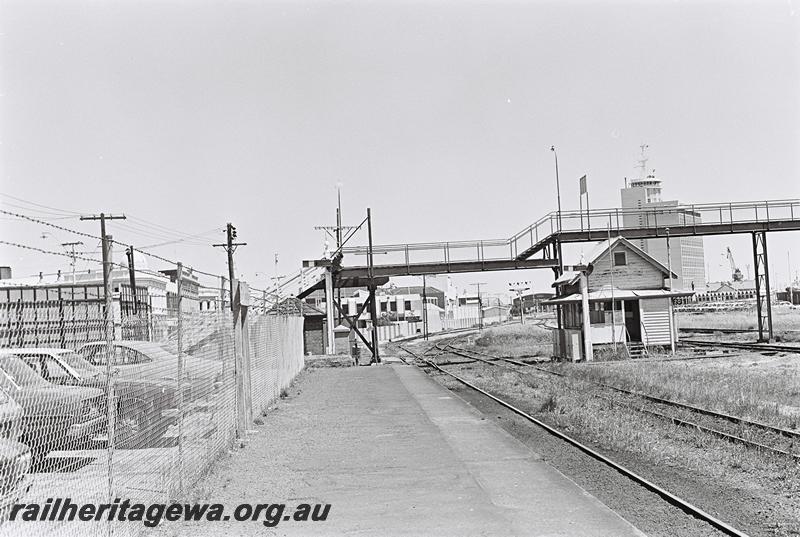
{"x": 373, "y": 310}
{"x": 179, "y": 313}
{"x": 587, "y": 322}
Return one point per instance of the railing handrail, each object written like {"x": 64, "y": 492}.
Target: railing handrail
{"x": 725, "y": 209}
{"x": 778, "y": 203}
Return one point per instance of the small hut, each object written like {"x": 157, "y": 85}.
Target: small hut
{"x": 629, "y": 301}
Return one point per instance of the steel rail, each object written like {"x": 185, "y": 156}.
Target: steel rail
{"x": 743, "y": 345}
{"x": 672, "y": 499}
{"x": 720, "y": 330}
{"x": 708, "y": 430}
{"x": 668, "y": 402}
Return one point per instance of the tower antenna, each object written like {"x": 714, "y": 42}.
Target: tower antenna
{"x": 643, "y": 162}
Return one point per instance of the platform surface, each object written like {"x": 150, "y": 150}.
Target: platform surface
{"x": 395, "y": 453}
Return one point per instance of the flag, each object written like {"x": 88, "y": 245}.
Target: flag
{"x": 583, "y": 184}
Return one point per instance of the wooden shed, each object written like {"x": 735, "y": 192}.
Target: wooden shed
{"x": 629, "y": 300}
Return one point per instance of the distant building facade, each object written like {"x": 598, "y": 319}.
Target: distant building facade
{"x": 687, "y": 255}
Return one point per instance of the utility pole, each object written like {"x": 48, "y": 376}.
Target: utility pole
{"x": 109, "y": 318}
{"x": 520, "y": 288}
{"x": 671, "y": 324}
{"x": 337, "y": 233}
{"x": 425, "y": 307}
{"x": 480, "y": 304}
{"x": 72, "y": 255}
{"x": 789, "y": 267}
{"x": 588, "y": 352}
{"x": 277, "y": 283}
{"x": 230, "y": 248}
{"x": 179, "y": 281}
{"x": 373, "y": 310}
{"x": 132, "y": 277}
{"x": 613, "y": 304}
{"x": 106, "y": 246}
{"x": 238, "y": 342}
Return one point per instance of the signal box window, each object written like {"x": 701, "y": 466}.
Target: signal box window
{"x": 620, "y": 259}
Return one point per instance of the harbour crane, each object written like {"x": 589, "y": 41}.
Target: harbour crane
{"x": 736, "y": 274}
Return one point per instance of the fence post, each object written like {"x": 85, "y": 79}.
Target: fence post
{"x": 220, "y": 327}
{"x": 246, "y": 368}
{"x": 179, "y": 281}
{"x": 238, "y": 360}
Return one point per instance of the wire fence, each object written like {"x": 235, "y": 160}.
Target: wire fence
{"x": 137, "y": 407}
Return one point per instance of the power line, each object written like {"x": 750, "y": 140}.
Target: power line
{"x": 62, "y": 211}
{"x": 41, "y": 250}
{"x": 55, "y": 226}
{"x": 88, "y": 235}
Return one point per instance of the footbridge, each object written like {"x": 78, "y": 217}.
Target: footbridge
{"x": 372, "y": 265}
{"x": 596, "y": 225}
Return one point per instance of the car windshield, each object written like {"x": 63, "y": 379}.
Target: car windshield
{"x": 19, "y": 373}
{"x": 76, "y": 362}
{"x": 154, "y": 351}
{"x": 126, "y": 353}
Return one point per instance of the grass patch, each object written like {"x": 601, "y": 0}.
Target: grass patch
{"x": 785, "y": 321}
{"x": 764, "y": 394}
{"x": 512, "y": 340}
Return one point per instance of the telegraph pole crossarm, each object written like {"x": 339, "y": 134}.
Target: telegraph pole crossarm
{"x": 72, "y": 255}
{"x": 230, "y": 248}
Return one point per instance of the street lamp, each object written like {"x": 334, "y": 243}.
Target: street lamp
{"x": 558, "y": 186}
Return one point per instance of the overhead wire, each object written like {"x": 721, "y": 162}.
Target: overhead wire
{"x": 40, "y": 221}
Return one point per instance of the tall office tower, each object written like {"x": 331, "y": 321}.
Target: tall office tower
{"x": 686, "y": 253}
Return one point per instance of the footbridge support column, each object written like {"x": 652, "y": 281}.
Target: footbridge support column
{"x": 763, "y": 292}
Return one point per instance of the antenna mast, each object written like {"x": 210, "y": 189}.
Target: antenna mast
{"x": 643, "y": 162}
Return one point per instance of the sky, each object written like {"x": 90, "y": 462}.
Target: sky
{"x": 439, "y": 116}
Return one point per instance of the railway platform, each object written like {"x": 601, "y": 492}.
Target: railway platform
{"x": 394, "y": 453}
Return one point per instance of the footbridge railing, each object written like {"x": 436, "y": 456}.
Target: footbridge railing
{"x": 585, "y": 226}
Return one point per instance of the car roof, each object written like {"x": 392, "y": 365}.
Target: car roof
{"x": 126, "y": 343}
{"x": 35, "y": 349}
{"x": 141, "y": 346}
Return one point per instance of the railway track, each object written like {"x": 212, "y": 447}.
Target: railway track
{"x": 669, "y": 497}
{"x": 743, "y": 345}
{"x": 777, "y": 436}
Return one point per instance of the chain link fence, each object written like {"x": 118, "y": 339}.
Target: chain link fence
{"x": 136, "y": 408}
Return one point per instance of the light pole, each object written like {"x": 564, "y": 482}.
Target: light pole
{"x": 558, "y": 186}
{"x": 558, "y": 248}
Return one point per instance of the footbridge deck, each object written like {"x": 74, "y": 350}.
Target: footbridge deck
{"x": 571, "y": 227}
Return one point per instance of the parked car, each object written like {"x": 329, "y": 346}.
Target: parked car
{"x": 55, "y": 417}
{"x": 145, "y": 409}
{"x": 144, "y": 360}
{"x": 15, "y": 457}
